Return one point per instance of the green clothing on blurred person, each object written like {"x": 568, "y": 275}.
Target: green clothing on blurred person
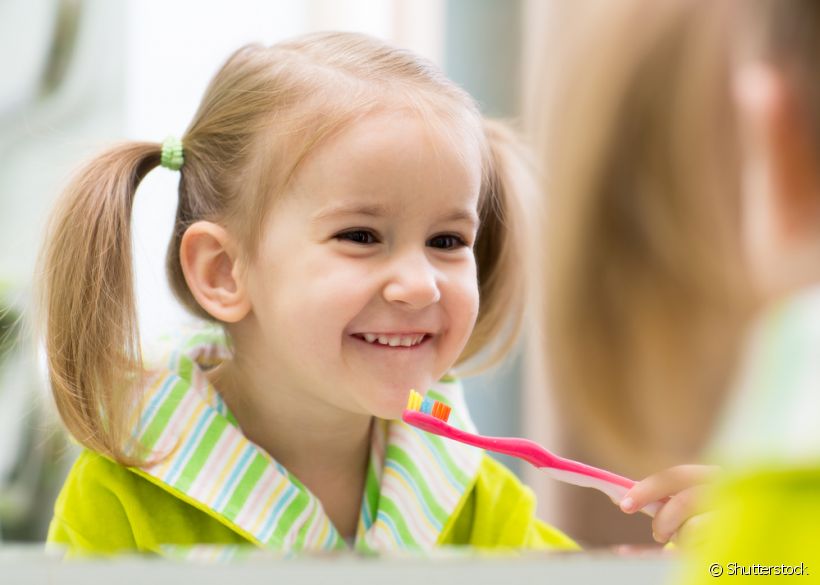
{"x": 767, "y": 507}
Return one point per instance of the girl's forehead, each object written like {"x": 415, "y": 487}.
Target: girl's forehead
{"x": 386, "y": 134}
{"x": 391, "y": 155}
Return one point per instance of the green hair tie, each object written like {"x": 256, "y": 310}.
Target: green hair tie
{"x": 172, "y": 154}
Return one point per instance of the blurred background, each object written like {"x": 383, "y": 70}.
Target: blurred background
{"x": 78, "y": 74}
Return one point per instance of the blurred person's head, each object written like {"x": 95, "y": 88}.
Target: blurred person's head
{"x": 681, "y": 150}
{"x": 777, "y": 91}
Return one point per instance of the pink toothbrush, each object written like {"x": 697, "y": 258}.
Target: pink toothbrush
{"x": 431, "y": 416}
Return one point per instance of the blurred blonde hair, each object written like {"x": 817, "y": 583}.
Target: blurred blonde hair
{"x": 644, "y": 280}
{"x": 265, "y": 110}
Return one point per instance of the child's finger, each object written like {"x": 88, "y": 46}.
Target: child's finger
{"x": 664, "y": 484}
{"x": 676, "y": 512}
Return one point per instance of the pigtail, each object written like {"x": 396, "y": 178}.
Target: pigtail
{"x": 508, "y": 191}
{"x": 87, "y": 305}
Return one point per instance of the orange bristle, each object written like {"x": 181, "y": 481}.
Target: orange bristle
{"x": 445, "y": 412}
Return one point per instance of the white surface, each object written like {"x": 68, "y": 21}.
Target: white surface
{"x": 25, "y": 566}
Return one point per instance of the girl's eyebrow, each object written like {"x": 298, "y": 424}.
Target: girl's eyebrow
{"x": 462, "y": 215}
{"x": 373, "y": 210}
{"x": 376, "y": 210}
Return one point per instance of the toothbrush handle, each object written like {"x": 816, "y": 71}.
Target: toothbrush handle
{"x": 566, "y": 470}
{"x": 615, "y": 491}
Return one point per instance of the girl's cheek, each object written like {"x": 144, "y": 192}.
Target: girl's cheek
{"x": 471, "y": 287}
{"x": 465, "y": 296}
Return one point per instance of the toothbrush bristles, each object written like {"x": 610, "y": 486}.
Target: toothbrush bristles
{"x": 438, "y": 409}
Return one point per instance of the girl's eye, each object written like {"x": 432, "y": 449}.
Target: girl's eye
{"x": 363, "y": 237}
{"x": 446, "y": 242}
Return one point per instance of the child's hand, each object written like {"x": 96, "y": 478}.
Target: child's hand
{"x": 681, "y": 514}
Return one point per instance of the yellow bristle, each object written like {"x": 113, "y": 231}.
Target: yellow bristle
{"x": 414, "y": 400}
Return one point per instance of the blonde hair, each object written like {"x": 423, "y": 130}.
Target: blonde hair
{"x": 644, "y": 282}
{"x": 261, "y": 115}
{"x": 647, "y": 288}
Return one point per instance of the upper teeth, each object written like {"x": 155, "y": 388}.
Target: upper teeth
{"x": 393, "y": 340}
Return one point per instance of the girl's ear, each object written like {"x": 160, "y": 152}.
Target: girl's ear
{"x": 779, "y": 143}
{"x": 209, "y": 258}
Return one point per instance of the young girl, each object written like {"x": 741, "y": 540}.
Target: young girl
{"x": 768, "y": 505}
{"x": 342, "y": 209}
{"x": 690, "y": 191}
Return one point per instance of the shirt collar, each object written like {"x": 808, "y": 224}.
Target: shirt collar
{"x": 414, "y": 482}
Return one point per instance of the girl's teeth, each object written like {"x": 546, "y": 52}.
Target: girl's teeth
{"x": 405, "y": 341}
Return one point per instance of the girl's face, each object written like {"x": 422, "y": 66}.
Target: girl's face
{"x": 365, "y": 284}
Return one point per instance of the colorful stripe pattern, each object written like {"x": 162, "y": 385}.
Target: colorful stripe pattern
{"x": 414, "y": 480}
{"x": 772, "y": 418}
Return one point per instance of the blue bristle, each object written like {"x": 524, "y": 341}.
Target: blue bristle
{"x": 427, "y": 405}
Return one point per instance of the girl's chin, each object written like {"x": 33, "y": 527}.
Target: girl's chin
{"x": 393, "y": 403}
{"x": 385, "y": 396}
{"x": 394, "y": 414}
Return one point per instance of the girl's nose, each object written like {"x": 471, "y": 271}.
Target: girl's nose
{"x": 412, "y": 283}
